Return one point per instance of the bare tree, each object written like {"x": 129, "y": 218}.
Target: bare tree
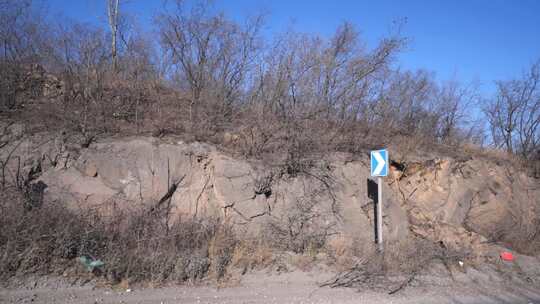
{"x": 23, "y": 43}
{"x": 210, "y": 53}
{"x": 405, "y": 104}
{"x": 112, "y": 12}
{"x": 299, "y": 93}
{"x": 453, "y": 100}
{"x": 514, "y": 113}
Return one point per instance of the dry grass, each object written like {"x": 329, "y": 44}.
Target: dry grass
{"x": 251, "y": 254}
{"x": 400, "y": 260}
{"x": 135, "y": 246}
{"x": 343, "y": 253}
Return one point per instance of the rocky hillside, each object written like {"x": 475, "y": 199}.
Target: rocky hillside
{"x": 464, "y": 204}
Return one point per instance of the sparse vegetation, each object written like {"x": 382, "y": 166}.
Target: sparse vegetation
{"x": 289, "y": 100}
{"x": 406, "y": 260}
{"x": 298, "y": 95}
{"x": 133, "y": 244}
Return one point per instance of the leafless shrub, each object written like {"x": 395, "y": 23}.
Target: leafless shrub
{"x": 406, "y": 260}
{"x": 255, "y": 140}
{"x": 23, "y": 43}
{"x": 134, "y": 245}
{"x": 536, "y": 164}
{"x": 302, "y": 228}
{"x": 297, "y": 96}
{"x": 519, "y": 231}
{"x": 514, "y": 114}
{"x": 296, "y": 164}
{"x": 263, "y": 184}
{"x": 210, "y": 54}
{"x": 253, "y": 254}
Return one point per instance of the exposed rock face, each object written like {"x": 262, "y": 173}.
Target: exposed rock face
{"x": 461, "y": 204}
{"x": 140, "y": 170}
{"x": 468, "y": 203}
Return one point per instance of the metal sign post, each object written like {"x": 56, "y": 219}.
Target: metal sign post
{"x": 379, "y": 168}
{"x": 379, "y": 214}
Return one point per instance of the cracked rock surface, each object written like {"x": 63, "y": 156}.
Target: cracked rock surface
{"x": 461, "y": 203}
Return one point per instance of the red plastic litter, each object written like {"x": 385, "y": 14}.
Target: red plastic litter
{"x": 507, "y": 256}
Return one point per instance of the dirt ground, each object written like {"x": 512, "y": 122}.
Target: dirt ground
{"x": 293, "y": 287}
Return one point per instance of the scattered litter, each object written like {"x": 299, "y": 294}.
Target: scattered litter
{"x": 460, "y": 263}
{"x": 128, "y": 290}
{"x": 90, "y": 264}
{"x": 507, "y": 256}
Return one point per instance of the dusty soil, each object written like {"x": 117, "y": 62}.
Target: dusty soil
{"x": 293, "y": 287}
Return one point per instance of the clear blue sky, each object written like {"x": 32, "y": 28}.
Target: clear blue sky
{"x": 465, "y": 40}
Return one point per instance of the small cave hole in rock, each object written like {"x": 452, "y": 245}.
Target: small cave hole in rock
{"x": 267, "y": 192}
{"x": 398, "y": 165}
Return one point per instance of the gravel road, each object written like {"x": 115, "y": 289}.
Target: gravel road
{"x": 294, "y": 287}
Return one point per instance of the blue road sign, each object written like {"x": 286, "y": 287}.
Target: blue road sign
{"x": 379, "y": 163}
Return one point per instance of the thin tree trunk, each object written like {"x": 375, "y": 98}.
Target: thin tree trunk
{"x": 113, "y": 23}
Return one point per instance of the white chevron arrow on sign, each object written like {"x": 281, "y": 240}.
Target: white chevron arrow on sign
{"x": 380, "y": 163}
